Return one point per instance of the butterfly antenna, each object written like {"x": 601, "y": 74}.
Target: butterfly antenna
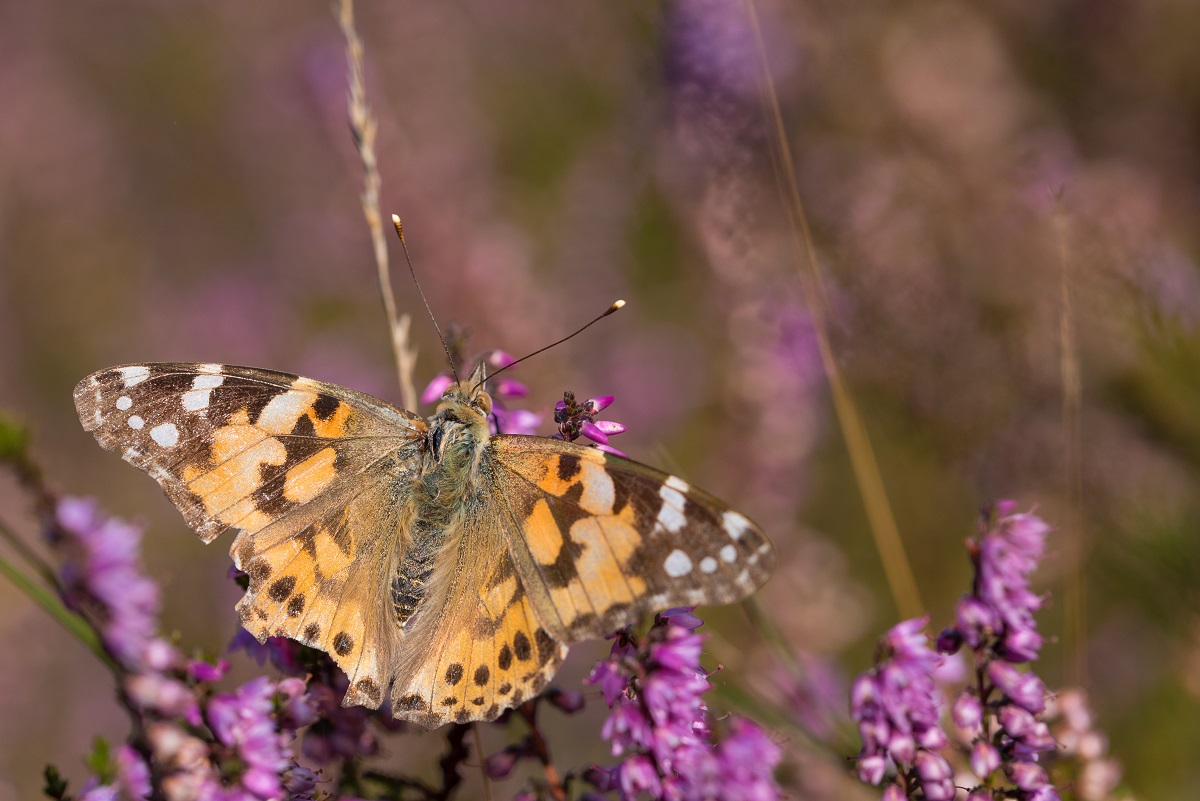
{"x": 616, "y": 304}
{"x": 403, "y": 244}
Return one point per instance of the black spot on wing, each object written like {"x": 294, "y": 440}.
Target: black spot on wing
{"x": 296, "y": 605}
{"x": 326, "y": 406}
{"x": 343, "y": 643}
{"x": 303, "y": 427}
{"x": 369, "y": 688}
{"x": 454, "y": 674}
{"x": 481, "y": 675}
{"x": 410, "y": 703}
{"x": 311, "y": 632}
{"x": 568, "y": 466}
{"x": 547, "y": 648}
{"x": 504, "y": 660}
{"x": 281, "y": 589}
{"x": 522, "y": 647}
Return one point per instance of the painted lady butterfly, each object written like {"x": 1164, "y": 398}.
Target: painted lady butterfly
{"x": 427, "y": 557}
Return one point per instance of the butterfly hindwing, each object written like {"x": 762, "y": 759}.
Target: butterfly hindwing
{"x": 483, "y": 647}
{"x": 600, "y": 540}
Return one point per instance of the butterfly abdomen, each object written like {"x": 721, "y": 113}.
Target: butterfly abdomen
{"x": 414, "y": 571}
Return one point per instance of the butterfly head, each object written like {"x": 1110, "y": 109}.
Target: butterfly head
{"x": 461, "y": 417}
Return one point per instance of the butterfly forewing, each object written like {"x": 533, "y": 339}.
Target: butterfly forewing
{"x": 600, "y": 540}
{"x": 235, "y": 446}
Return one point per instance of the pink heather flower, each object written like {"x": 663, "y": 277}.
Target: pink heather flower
{"x": 660, "y": 722}
{"x": 1002, "y": 604}
{"x": 996, "y": 622}
{"x": 102, "y": 578}
{"x": 984, "y": 759}
{"x": 896, "y": 707}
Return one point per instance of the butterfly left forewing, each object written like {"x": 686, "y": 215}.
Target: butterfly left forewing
{"x": 600, "y": 540}
{"x": 236, "y": 446}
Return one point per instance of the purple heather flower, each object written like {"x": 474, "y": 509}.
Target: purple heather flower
{"x": 102, "y": 578}
{"x": 996, "y": 621}
{"x": 661, "y": 722}
{"x": 1024, "y": 689}
{"x": 515, "y": 421}
{"x": 342, "y": 732}
{"x": 896, "y": 707}
{"x": 258, "y": 720}
{"x": 967, "y": 713}
{"x": 133, "y": 775}
{"x": 984, "y": 759}
{"x": 209, "y": 672}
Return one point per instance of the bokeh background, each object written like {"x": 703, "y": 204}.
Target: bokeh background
{"x": 177, "y": 182}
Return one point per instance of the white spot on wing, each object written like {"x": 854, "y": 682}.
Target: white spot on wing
{"x": 677, "y": 564}
{"x": 208, "y": 368}
{"x": 599, "y": 495}
{"x": 136, "y": 422}
{"x": 131, "y": 376}
{"x": 165, "y": 435}
{"x": 670, "y": 516}
{"x": 736, "y": 525}
{"x": 675, "y": 482}
{"x": 124, "y": 402}
{"x": 729, "y": 553}
{"x": 708, "y": 564}
{"x": 196, "y": 399}
{"x": 282, "y": 412}
{"x": 208, "y": 381}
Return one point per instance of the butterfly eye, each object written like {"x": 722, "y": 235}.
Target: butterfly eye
{"x": 484, "y": 402}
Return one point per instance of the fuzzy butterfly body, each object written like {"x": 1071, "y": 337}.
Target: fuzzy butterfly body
{"x": 429, "y": 558}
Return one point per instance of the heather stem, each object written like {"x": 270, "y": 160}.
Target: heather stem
{"x": 528, "y": 710}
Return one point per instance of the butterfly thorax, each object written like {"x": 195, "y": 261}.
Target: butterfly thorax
{"x": 445, "y": 492}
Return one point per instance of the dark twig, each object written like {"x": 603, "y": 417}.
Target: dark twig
{"x": 528, "y": 711}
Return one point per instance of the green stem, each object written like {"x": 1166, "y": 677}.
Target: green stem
{"x": 70, "y": 621}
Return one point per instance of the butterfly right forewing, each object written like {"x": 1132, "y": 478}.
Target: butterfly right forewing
{"x": 600, "y": 540}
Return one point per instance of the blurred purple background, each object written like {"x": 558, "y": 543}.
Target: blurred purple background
{"x": 178, "y": 182}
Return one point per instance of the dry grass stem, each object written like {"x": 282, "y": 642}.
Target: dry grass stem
{"x": 363, "y": 126}
{"x": 867, "y": 474}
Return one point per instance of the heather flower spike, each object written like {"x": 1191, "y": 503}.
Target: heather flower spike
{"x": 578, "y": 418}
{"x": 896, "y": 705}
{"x": 661, "y": 725}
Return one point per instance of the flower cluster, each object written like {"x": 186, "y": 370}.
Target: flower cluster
{"x": 896, "y": 705}
{"x": 1000, "y": 714}
{"x": 202, "y": 744}
{"x": 101, "y": 579}
{"x": 661, "y": 724}
{"x": 578, "y": 418}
